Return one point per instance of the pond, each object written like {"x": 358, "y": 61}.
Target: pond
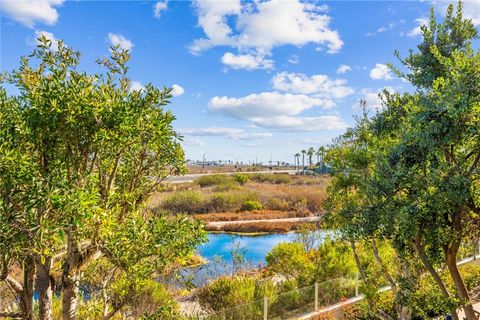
{"x": 220, "y": 249}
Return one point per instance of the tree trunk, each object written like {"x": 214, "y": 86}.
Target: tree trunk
{"x": 403, "y": 311}
{"x": 436, "y": 277}
{"x": 459, "y": 284}
{"x": 69, "y": 298}
{"x": 383, "y": 269}
{"x": 76, "y": 259}
{"x": 26, "y": 297}
{"x": 380, "y": 313}
{"x": 44, "y": 287}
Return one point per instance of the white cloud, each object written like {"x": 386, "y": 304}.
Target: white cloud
{"x": 247, "y": 61}
{"x": 33, "y": 41}
{"x": 29, "y": 13}
{"x": 120, "y": 40}
{"x": 264, "y": 105}
{"x": 177, "y": 90}
{"x": 188, "y": 141}
{"x": 231, "y": 133}
{"x": 417, "y": 30}
{"x": 259, "y": 27}
{"x": 381, "y": 72}
{"x": 293, "y": 59}
{"x": 327, "y": 122}
{"x": 318, "y": 85}
{"x": 471, "y": 9}
{"x": 136, "y": 86}
{"x": 159, "y": 7}
{"x": 277, "y": 110}
{"x": 382, "y": 29}
{"x": 343, "y": 68}
{"x": 372, "y": 98}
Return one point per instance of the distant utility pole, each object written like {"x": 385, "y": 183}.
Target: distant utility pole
{"x": 203, "y": 164}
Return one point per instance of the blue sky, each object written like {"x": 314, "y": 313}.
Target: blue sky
{"x": 252, "y": 79}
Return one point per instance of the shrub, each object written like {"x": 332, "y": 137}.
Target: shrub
{"x": 226, "y": 186}
{"x": 184, "y": 202}
{"x": 227, "y": 292}
{"x": 213, "y": 180}
{"x": 220, "y": 202}
{"x": 270, "y": 178}
{"x": 250, "y": 205}
{"x": 241, "y": 178}
{"x": 289, "y": 259}
{"x": 278, "y": 204}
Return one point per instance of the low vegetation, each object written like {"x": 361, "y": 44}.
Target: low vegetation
{"x": 246, "y": 192}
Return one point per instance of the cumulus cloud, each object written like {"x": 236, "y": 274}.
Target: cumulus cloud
{"x": 177, "y": 90}
{"x": 247, "y": 61}
{"x": 471, "y": 9}
{"x": 277, "y": 110}
{"x": 33, "y": 41}
{"x": 343, "y": 68}
{"x": 259, "y": 27}
{"x": 120, "y": 40}
{"x": 381, "y": 72}
{"x": 264, "y": 105}
{"x": 159, "y": 7}
{"x": 32, "y": 12}
{"x": 232, "y": 133}
{"x": 318, "y": 85}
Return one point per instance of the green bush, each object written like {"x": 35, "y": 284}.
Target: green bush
{"x": 184, "y": 202}
{"x": 228, "y": 292}
{"x": 289, "y": 259}
{"x": 241, "y": 178}
{"x": 250, "y": 205}
{"x": 221, "y": 202}
{"x": 213, "y": 180}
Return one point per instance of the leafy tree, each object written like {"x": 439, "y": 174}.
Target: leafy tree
{"x": 80, "y": 156}
{"x": 410, "y": 174}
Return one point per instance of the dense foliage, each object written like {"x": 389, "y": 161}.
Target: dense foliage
{"x": 410, "y": 173}
{"x": 79, "y": 156}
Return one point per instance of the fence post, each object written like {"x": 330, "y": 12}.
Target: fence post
{"x": 265, "y": 308}
{"x": 356, "y": 284}
{"x": 316, "y": 296}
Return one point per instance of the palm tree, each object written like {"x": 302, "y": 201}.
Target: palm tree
{"x": 321, "y": 152}
{"x": 310, "y": 153}
{"x": 297, "y": 161}
{"x": 303, "y": 157}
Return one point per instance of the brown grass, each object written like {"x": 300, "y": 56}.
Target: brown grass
{"x": 267, "y": 227}
{"x": 301, "y": 196}
{"x": 249, "y": 215}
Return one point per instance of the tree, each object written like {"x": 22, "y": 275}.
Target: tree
{"x": 415, "y": 164}
{"x": 321, "y": 154}
{"x": 297, "y": 160}
{"x": 84, "y": 153}
{"x": 303, "y": 157}
{"x": 310, "y": 153}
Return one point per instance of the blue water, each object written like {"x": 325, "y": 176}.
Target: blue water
{"x": 255, "y": 248}
{"x": 218, "y": 252}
